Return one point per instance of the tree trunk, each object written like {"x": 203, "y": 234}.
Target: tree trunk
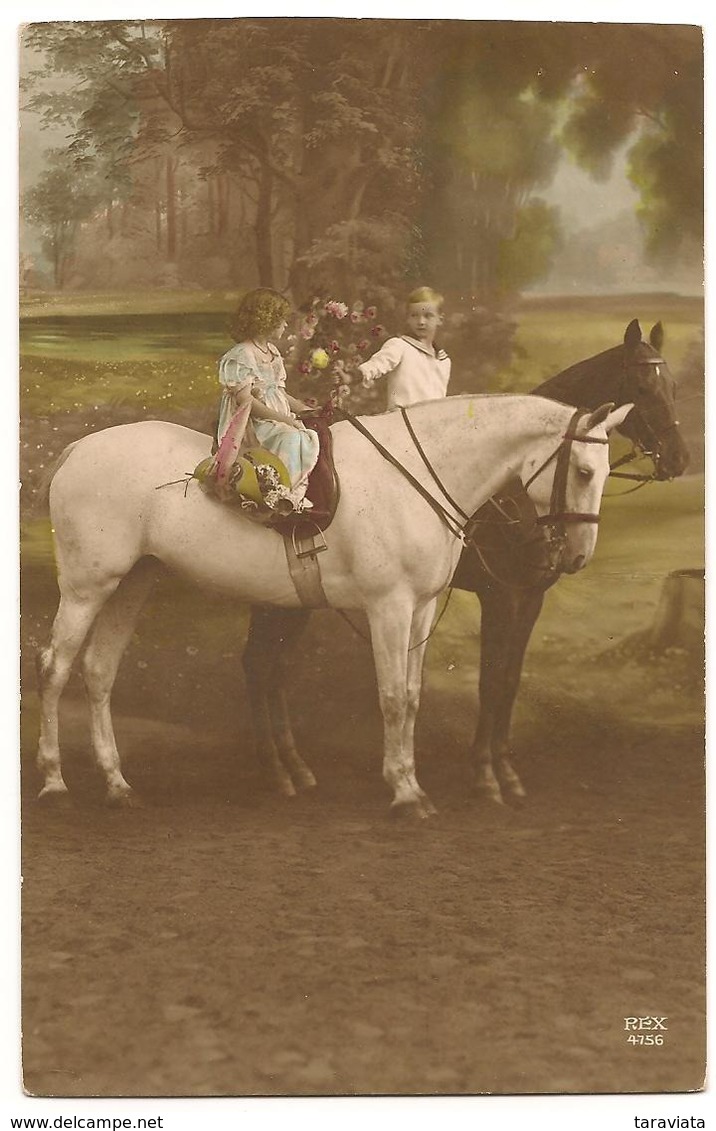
{"x": 171, "y": 210}
{"x": 262, "y": 227}
{"x": 184, "y": 219}
{"x": 680, "y": 615}
{"x": 210, "y": 199}
{"x": 222, "y": 186}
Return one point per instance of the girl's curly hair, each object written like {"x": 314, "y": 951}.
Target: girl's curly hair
{"x": 258, "y": 313}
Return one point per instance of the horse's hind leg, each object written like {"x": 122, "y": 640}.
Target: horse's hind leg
{"x": 76, "y": 612}
{"x": 261, "y": 660}
{"x": 288, "y": 625}
{"x": 110, "y": 635}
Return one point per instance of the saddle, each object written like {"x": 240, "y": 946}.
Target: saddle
{"x": 323, "y": 488}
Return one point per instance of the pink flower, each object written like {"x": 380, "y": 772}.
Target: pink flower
{"x": 363, "y": 344}
{"x": 371, "y": 312}
{"x": 356, "y": 316}
{"x": 307, "y": 331}
{"x": 334, "y": 346}
{"x": 312, "y": 319}
{"x": 376, "y": 331}
{"x": 337, "y": 309}
{"x": 304, "y": 367}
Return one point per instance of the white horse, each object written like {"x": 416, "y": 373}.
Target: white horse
{"x": 388, "y": 552}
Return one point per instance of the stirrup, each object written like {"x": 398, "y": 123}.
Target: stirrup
{"x": 311, "y": 552}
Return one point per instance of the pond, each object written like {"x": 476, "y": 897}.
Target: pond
{"x": 126, "y": 337}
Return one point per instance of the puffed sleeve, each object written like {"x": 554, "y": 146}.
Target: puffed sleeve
{"x": 384, "y": 361}
{"x": 235, "y": 372}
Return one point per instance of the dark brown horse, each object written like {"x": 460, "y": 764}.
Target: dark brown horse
{"x": 508, "y": 562}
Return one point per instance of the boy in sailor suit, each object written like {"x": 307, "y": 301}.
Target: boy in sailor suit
{"x": 415, "y": 368}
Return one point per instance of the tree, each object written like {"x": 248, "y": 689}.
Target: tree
{"x": 57, "y": 205}
{"x": 644, "y": 86}
{"x": 509, "y": 98}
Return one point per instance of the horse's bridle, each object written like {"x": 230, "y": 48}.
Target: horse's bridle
{"x": 638, "y": 449}
{"x": 558, "y": 517}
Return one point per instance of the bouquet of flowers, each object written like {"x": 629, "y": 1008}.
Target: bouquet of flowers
{"x": 331, "y": 342}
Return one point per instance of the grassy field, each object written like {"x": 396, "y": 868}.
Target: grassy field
{"x": 554, "y": 333}
{"x": 159, "y": 352}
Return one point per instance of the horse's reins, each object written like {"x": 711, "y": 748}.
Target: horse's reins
{"x": 443, "y": 514}
{"x": 557, "y": 517}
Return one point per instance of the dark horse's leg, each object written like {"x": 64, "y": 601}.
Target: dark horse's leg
{"x": 272, "y": 632}
{"x": 498, "y": 618}
{"x": 508, "y": 617}
{"x": 528, "y": 608}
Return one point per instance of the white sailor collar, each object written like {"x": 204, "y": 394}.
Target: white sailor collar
{"x": 438, "y": 355}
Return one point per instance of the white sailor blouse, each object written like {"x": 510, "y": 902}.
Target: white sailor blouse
{"x": 414, "y": 371}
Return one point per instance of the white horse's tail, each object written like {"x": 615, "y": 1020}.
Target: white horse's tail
{"x": 43, "y": 491}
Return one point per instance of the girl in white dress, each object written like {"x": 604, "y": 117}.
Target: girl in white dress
{"x": 254, "y": 394}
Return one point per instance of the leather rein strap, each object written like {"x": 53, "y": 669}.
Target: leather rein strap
{"x": 444, "y": 515}
{"x": 558, "y": 516}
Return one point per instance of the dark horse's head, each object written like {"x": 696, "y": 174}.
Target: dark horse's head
{"x": 636, "y": 372}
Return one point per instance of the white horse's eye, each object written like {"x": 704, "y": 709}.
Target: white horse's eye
{"x": 585, "y": 473}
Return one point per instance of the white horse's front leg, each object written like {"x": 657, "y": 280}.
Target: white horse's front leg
{"x": 390, "y": 630}
{"x": 423, "y": 618}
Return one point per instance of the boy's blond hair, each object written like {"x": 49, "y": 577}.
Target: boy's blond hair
{"x": 425, "y": 294}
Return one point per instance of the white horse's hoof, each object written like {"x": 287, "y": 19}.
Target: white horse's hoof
{"x": 54, "y": 796}
{"x": 485, "y": 791}
{"x": 304, "y": 780}
{"x": 418, "y": 810}
{"x": 515, "y": 798}
{"x": 284, "y": 787}
{"x": 125, "y": 799}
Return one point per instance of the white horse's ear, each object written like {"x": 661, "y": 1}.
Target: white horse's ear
{"x": 617, "y": 417}
{"x": 598, "y": 416}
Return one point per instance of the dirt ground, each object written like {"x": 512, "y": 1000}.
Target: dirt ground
{"x": 220, "y": 941}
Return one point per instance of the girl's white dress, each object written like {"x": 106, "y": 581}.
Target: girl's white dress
{"x": 245, "y": 367}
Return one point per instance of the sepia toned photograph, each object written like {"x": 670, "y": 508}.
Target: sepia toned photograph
{"x": 362, "y": 451}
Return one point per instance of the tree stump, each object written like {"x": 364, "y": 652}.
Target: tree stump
{"x": 681, "y": 612}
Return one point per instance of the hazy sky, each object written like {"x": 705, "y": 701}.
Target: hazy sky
{"x": 584, "y": 202}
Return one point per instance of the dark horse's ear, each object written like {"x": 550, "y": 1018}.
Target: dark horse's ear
{"x": 599, "y": 416}
{"x": 656, "y": 337}
{"x": 632, "y": 335}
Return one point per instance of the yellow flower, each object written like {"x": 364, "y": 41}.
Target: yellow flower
{"x": 319, "y": 359}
